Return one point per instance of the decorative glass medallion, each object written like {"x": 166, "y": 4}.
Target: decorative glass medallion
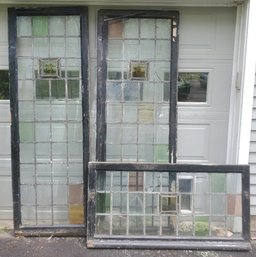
{"x": 139, "y": 70}
{"x": 49, "y": 67}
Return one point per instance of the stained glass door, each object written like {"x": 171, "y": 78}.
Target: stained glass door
{"x": 50, "y": 119}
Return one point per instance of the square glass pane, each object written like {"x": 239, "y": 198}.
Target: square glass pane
{"x": 28, "y": 214}
{"x": 58, "y": 111}
{"x": 161, "y": 153}
{"x": 163, "y": 49}
{"x": 72, "y": 25}
{"x": 163, "y": 29}
{"x": 161, "y": 134}
{"x": 151, "y": 203}
{"x": 27, "y": 174}
{"x": 234, "y": 205}
{"x": 40, "y": 26}
{"x": 136, "y": 203}
{"x": 145, "y": 153}
{"x": 103, "y": 202}
{"x": 136, "y": 225}
{"x": 73, "y": 89}
{"x": 24, "y": 47}
{"x": 113, "y": 134}
{"x": 42, "y": 131}
{"x": 132, "y": 91}
{"x": 44, "y": 194}
{"x": 146, "y": 134}
{"x": 113, "y": 152}
{"x": 43, "y": 152}
{"x": 114, "y": 113}
{"x": 202, "y": 226}
{"x": 115, "y": 29}
{"x": 25, "y": 68}
{"x": 131, "y": 28}
{"x": 129, "y": 134}
{"x": 41, "y": 47}
{"x": 59, "y": 132}
{"x": 102, "y": 225}
{"x": 75, "y": 132}
{"x": 147, "y": 92}
{"x": 115, "y": 49}
{"x": 56, "y": 25}
{"x": 119, "y": 203}
{"x": 119, "y": 225}
{"x": 114, "y": 92}
{"x": 73, "y": 47}
{"x": 147, "y": 28}
{"x": 59, "y": 151}
{"x": 57, "y": 48}
{"x": 202, "y": 203}
{"x": 28, "y": 194}
{"x": 27, "y": 153}
{"x": 129, "y": 153}
{"x": 42, "y": 89}
{"x": 25, "y": 89}
{"x": 218, "y": 204}
{"x": 26, "y": 132}
{"x": 58, "y": 89}
{"x": 75, "y": 151}
{"x": 60, "y": 194}
{"x": 129, "y": 113}
{"x": 147, "y": 49}
{"x": 146, "y": 113}
{"x": 131, "y": 50}
{"x": 185, "y": 226}
{"x": 218, "y": 182}
{"x": 74, "y": 111}
{"x": 44, "y": 215}
{"x": 23, "y": 26}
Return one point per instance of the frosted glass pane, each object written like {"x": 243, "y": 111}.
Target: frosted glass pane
{"x": 218, "y": 204}
{"x": 42, "y": 110}
{"x": 44, "y": 195}
{"x": 26, "y": 112}
{"x": 75, "y": 151}
{"x": 60, "y": 194}
{"x": 57, "y": 47}
{"x": 161, "y": 134}
{"x": 59, "y": 169}
{"x": 26, "y": 89}
{"x": 162, "y": 114}
{"x": 131, "y": 28}
{"x": 24, "y": 47}
{"x": 132, "y": 91}
{"x": 147, "y": 29}
{"x": 115, "y": 49}
{"x": 44, "y": 215}
{"x": 130, "y": 113}
{"x": 72, "y": 25}
{"x": 28, "y": 214}
{"x": 146, "y": 153}
{"x": 129, "y": 134}
{"x": 131, "y": 49}
{"x": 40, "y": 26}
{"x": 27, "y": 194}
{"x": 146, "y": 134}
{"x": 129, "y": 153}
{"x": 56, "y": 25}
{"x": 163, "y": 50}
{"x": 147, "y": 49}
{"x": 59, "y": 111}
{"x": 73, "y": 47}
{"x": 148, "y": 92}
{"x": 114, "y": 134}
{"x": 43, "y": 133}
{"x": 75, "y": 131}
{"x": 163, "y": 29}
{"x": 25, "y": 68}
{"x": 59, "y": 151}
{"x": 23, "y": 26}
{"x": 59, "y": 132}
{"x": 26, "y": 131}
{"x": 27, "y": 152}
{"x": 113, "y": 152}
{"x": 41, "y": 47}
{"x": 43, "y": 172}
{"x": 114, "y": 91}
{"x": 43, "y": 152}
{"x": 74, "y": 112}
{"x": 114, "y": 113}
{"x": 27, "y": 174}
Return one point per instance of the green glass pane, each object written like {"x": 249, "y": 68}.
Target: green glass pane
{"x": 4, "y": 84}
{"x": 42, "y": 89}
{"x": 218, "y": 182}
{"x": 58, "y": 89}
{"x": 26, "y": 132}
{"x": 73, "y": 74}
{"x": 73, "y": 89}
{"x": 40, "y": 26}
{"x": 161, "y": 153}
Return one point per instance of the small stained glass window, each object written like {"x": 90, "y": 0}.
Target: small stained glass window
{"x": 4, "y": 85}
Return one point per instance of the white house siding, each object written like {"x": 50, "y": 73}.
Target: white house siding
{"x": 5, "y": 149}
{"x": 252, "y": 156}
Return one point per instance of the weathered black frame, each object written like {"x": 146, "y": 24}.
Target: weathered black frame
{"x": 102, "y": 44}
{"x": 13, "y": 13}
{"x": 176, "y": 242}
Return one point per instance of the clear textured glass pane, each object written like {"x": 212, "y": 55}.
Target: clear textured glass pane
{"x": 147, "y": 92}
{"x": 103, "y": 225}
{"x": 218, "y": 204}
{"x": 163, "y": 29}
{"x": 27, "y": 194}
{"x": 234, "y": 183}
{"x": 169, "y": 225}
{"x": 163, "y": 49}
{"x": 40, "y": 26}
{"x": 151, "y": 203}
{"x": 161, "y": 134}
{"x": 44, "y": 215}
{"x": 75, "y": 131}
{"x": 114, "y": 92}
{"x": 145, "y": 153}
{"x": 56, "y": 25}
{"x": 136, "y": 202}
{"x": 202, "y": 203}
{"x": 59, "y": 132}
{"x": 24, "y": 47}
{"x": 147, "y": 28}
{"x": 73, "y": 47}
{"x": 57, "y": 47}
{"x": 42, "y": 131}
{"x": 119, "y": 203}
{"x": 132, "y": 91}
{"x": 27, "y": 152}
{"x": 202, "y": 226}
{"x": 72, "y": 25}
{"x": 23, "y": 26}
{"x": 75, "y": 151}
{"x": 129, "y": 113}
{"x": 234, "y": 205}
{"x": 129, "y": 134}
{"x": 59, "y": 151}
{"x": 25, "y": 68}
{"x": 59, "y": 111}
{"x": 161, "y": 153}
{"x": 28, "y": 214}
{"x": 25, "y": 90}
{"x": 113, "y": 152}
{"x": 44, "y": 196}
{"x": 114, "y": 113}
{"x": 59, "y": 169}
{"x": 131, "y": 49}
{"x": 60, "y": 194}
{"x": 74, "y": 111}
{"x": 185, "y": 226}
{"x": 147, "y": 49}
{"x": 131, "y": 28}
{"x": 27, "y": 174}
{"x": 119, "y": 225}
{"x": 129, "y": 153}
{"x": 113, "y": 134}
{"x": 136, "y": 225}
{"x": 115, "y": 49}
{"x": 43, "y": 152}
{"x": 41, "y": 47}
{"x": 146, "y": 134}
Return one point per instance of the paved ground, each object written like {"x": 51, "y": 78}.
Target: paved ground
{"x": 75, "y": 247}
